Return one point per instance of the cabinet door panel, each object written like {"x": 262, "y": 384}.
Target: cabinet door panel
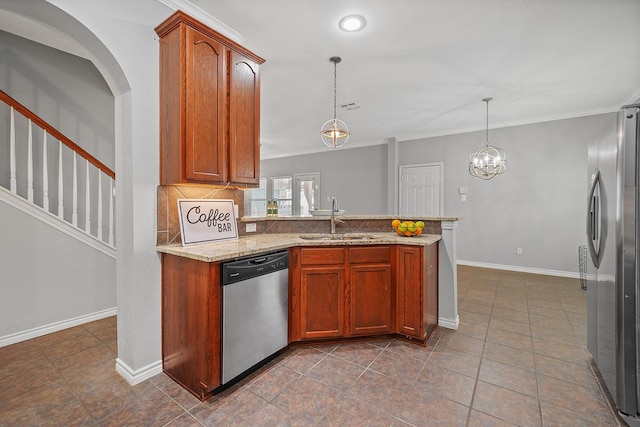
{"x": 370, "y": 299}
{"x": 244, "y": 120}
{"x": 205, "y": 147}
{"x": 409, "y": 295}
{"x": 191, "y": 323}
{"x": 322, "y": 302}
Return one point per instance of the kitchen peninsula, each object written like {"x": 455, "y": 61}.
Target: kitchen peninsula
{"x": 365, "y": 280}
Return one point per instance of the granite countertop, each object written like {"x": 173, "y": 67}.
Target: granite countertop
{"x": 348, "y": 217}
{"x": 260, "y": 243}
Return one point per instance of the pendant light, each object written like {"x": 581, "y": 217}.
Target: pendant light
{"x": 334, "y": 133}
{"x": 487, "y": 161}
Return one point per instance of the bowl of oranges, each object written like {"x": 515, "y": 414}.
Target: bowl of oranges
{"x": 407, "y": 228}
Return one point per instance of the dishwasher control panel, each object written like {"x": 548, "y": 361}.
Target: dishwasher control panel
{"x": 254, "y": 266}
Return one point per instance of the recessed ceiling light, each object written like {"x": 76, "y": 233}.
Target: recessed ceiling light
{"x": 352, "y": 23}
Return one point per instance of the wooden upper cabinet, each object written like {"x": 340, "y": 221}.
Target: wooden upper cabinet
{"x": 203, "y": 134}
{"x": 209, "y": 106}
{"x": 244, "y": 119}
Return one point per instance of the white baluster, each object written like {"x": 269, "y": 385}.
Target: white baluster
{"x": 60, "y": 184}
{"x": 74, "y": 211}
{"x": 111, "y": 196}
{"x": 30, "y": 163}
{"x": 99, "y": 205}
{"x": 87, "y": 202}
{"x": 12, "y": 153}
{"x": 45, "y": 173}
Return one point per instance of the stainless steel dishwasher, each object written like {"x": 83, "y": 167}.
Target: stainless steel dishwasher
{"x": 254, "y": 311}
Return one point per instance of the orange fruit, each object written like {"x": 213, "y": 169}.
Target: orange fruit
{"x": 395, "y": 223}
{"x": 418, "y": 231}
{"x": 408, "y": 233}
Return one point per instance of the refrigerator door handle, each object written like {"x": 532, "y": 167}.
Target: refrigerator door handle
{"x": 593, "y": 220}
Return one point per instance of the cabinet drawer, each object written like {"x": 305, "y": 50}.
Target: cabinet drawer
{"x": 369, "y": 254}
{"x": 321, "y": 256}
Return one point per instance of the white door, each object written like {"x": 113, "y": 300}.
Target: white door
{"x": 421, "y": 190}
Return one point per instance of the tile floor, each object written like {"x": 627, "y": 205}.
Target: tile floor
{"x": 518, "y": 358}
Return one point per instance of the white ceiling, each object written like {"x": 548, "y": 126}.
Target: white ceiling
{"x": 421, "y": 67}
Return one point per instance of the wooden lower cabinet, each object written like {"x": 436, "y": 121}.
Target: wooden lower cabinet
{"x": 416, "y": 290}
{"x": 370, "y": 299}
{"x": 322, "y": 291}
{"x": 191, "y": 323}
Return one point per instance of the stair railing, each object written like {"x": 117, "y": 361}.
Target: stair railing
{"x": 104, "y": 177}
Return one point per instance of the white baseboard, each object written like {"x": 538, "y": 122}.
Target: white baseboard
{"x": 134, "y": 377}
{"x": 55, "y": 327}
{"x": 520, "y": 269}
{"x": 448, "y": 323}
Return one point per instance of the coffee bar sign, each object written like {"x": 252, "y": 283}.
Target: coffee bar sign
{"x": 206, "y": 220}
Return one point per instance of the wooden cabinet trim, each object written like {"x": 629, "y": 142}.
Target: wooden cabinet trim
{"x": 322, "y": 255}
{"x": 369, "y": 254}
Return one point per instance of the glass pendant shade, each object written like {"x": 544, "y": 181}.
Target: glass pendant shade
{"x": 487, "y": 161}
{"x": 334, "y": 132}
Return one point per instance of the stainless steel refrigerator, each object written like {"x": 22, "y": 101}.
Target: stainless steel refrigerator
{"x": 613, "y": 308}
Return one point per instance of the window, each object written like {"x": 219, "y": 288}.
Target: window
{"x": 281, "y": 189}
{"x": 296, "y": 195}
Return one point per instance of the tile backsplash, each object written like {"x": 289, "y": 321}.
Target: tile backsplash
{"x": 168, "y": 225}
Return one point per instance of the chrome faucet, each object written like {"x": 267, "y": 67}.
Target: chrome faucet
{"x": 334, "y": 208}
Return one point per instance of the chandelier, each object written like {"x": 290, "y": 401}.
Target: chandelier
{"x": 334, "y": 132}
{"x": 487, "y": 161}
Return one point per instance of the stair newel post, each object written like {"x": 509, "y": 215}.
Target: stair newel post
{"x": 74, "y": 188}
{"x": 111, "y": 196}
{"x": 30, "y": 163}
{"x": 99, "y": 206}
{"x": 60, "y": 184}
{"x": 45, "y": 173}
{"x": 87, "y": 202}
{"x": 12, "y": 153}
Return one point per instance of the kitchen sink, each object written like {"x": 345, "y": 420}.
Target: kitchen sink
{"x": 338, "y": 237}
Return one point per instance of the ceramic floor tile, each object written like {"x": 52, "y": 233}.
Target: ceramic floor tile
{"x": 509, "y": 377}
{"x": 447, "y": 384}
{"x": 522, "y": 328}
{"x": 457, "y": 361}
{"x": 586, "y": 401}
{"x": 269, "y": 384}
{"x": 425, "y": 409}
{"x": 351, "y": 412}
{"x": 509, "y": 355}
{"x": 380, "y": 391}
{"x": 307, "y": 399}
{"x": 464, "y": 344}
{"x": 408, "y": 349}
{"x": 475, "y": 331}
{"x": 398, "y": 366}
{"x": 491, "y": 363}
{"x": 509, "y": 314}
{"x": 562, "y": 351}
{"x": 335, "y": 372}
{"x": 511, "y": 339}
{"x": 480, "y": 419}
{"x": 302, "y": 359}
{"x": 556, "y": 416}
{"x": 150, "y": 409}
{"x": 501, "y": 403}
{"x": 222, "y": 410}
{"x": 474, "y": 318}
